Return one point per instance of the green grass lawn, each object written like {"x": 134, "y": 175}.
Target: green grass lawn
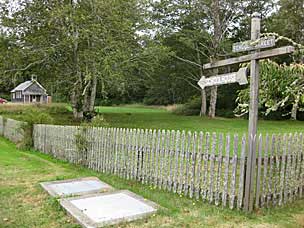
{"x": 139, "y": 116}
{"x": 156, "y": 118}
{"x": 23, "y": 203}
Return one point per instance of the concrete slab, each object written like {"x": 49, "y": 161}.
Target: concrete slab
{"x": 109, "y": 208}
{"x": 72, "y": 187}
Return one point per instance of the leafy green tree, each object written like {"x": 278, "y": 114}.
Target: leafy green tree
{"x": 281, "y": 89}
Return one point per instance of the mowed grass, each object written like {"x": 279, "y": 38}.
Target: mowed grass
{"x": 23, "y": 203}
{"x": 147, "y": 117}
{"x": 158, "y": 118}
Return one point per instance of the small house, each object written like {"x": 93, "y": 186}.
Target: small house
{"x": 29, "y": 92}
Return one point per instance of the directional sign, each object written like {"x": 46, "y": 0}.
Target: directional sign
{"x": 250, "y": 45}
{"x": 240, "y": 77}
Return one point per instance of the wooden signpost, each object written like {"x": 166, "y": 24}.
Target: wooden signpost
{"x": 254, "y": 45}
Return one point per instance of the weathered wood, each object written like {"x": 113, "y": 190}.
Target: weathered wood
{"x": 157, "y": 152}
{"x": 253, "y": 117}
{"x": 233, "y": 173}
{"x": 171, "y": 161}
{"x": 282, "y": 170}
{"x": 187, "y": 161}
{"x": 259, "y": 170}
{"x": 161, "y": 159}
{"x": 249, "y": 57}
{"x": 301, "y": 166}
{"x": 298, "y": 165}
{"x": 218, "y": 179}
{"x": 265, "y": 169}
{"x": 287, "y": 172}
{"x": 270, "y": 174}
{"x": 166, "y": 157}
{"x": 176, "y": 165}
{"x": 181, "y": 163}
{"x": 226, "y": 174}
{"x": 249, "y": 45}
{"x": 277, "y": 171}
{"x": 212, "y": 161}
{"x": 129, "y": 133}
{"x": 239, "y": 77}
{"x": 242, "y": 174}
{"x": 199, "y": 166}
{"x": 193, "y": 162}
{"x": 293, "y": 168}
{"x": 205, "y": 185}
{"x": 153, "y": 156}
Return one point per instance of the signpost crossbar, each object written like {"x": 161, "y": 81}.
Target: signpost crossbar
{"x": 249, "y": 57}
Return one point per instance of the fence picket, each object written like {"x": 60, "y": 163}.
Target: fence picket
{"x": 181, "y": 162}
{"x": 301, "y": 166}
{"x": 258, "y": 179}
{"x": 157, "y": 152}
{"x": 205, "y": 170}
{"x": 171, "y": 160}
{"x": 287, "y": 172}
{"x": 233, "y": 174}
{"x": 265, "y": 169}
{"x": 166, "y": 158}
{"x": 176, "y": 166}
{"x": 199, "y": 166}
{"x": 219, "y": 170}
{"x": 193, "y": 162}
{"x": 187, "y": 161}
{"x": 212, "y": 161}
{"x": 298, "y": 164}
{"x": 226, "y": 174}
{"x": 282, "y": 170}
{"x": 293, "y": 167}
{"x": 242, "y": 173}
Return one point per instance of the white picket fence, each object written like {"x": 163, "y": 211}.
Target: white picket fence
{"x": 209, "y": 167}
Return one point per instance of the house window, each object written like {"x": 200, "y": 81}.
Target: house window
{"x": 18, "y": 95}
{"x": 14, "y": 95}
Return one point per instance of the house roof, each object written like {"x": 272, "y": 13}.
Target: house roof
{"x": 23, "y": 86}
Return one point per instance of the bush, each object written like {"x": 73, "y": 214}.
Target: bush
{"x": 32, "y": 116}
{"x": 191, "y": 108}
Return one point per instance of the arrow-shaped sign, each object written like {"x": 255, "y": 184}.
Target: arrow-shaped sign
{"x": 240, "y": 77}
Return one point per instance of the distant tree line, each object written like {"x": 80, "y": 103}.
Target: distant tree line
{"x": 108, "y": 52}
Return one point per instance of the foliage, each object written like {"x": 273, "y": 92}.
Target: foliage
{"x": 191, "y": 108}
{"x": 281, "y": 89}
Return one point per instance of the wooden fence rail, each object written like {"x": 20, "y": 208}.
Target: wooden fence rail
{"x": 200, "y": 165}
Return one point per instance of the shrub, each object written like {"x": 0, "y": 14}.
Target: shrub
{"x": 191, "y": 108}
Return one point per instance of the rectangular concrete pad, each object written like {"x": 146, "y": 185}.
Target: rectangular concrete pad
{"x": 72, "y": 187}
{"x": 109, "y": 208}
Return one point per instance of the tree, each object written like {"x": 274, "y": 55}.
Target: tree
{"x": 281, "y": 89}
{"x": 74, "y": 42}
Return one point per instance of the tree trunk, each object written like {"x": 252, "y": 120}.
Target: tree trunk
{"x": 93, "y": 93}
{"x": 216, "y": 44}
{"x": 76, "y": 97}
{"x": 203, "y": 111}
{"x": 294, "y": 109}
{"x": 213, "y": 98}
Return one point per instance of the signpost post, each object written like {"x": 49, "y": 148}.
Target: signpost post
{"x": 254, "y": 45}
